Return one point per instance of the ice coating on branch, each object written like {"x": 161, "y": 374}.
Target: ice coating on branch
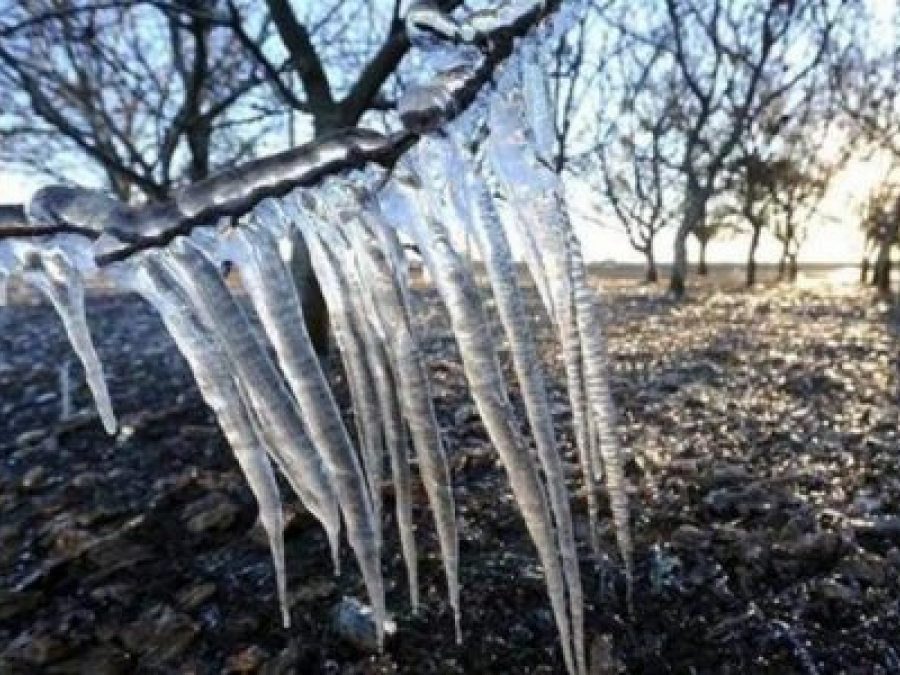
{"x": 459, "y": 293}
{"x": 444, "y": 66}
{"x": 427, "y": 25}
{"x": 221, "y": 392}
{"x": 52, "y": 272}
{"x": 69, "y": 205}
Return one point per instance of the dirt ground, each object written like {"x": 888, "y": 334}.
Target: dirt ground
{"x": 765, "y": 498}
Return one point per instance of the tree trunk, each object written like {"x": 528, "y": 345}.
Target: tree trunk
{"x": 783, "y": 261}
{"x": 694, "y": 215}
{"x": 751, "y": 256}
{"x": 792, "y": 268}
{"x": 701, "y": 263}
{"x": 881, "y": 277}
{"x": 652, "y": 275}
{"x": 679, "y": 261}
{"x": 864, "y": 270}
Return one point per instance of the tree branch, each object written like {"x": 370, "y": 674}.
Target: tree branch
{"x": 233, "y": 193}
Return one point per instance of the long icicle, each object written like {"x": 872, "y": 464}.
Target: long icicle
{"x": 508, "y": 164}
{"x": 275, "y": 407}
{"x": 380, "y": 256}
{"x": 274, "y": 296}
{"x": 540, "y": 111}
{"x": 384, "y": 376}
{"x": 460, "y": 295}
{"x": 532, "y": 182}
{"x": 378, "y": 367}
{"x": 497, "y": 255}
{"x": 371, "y": 359}
{"x": 55, "y": 276}
{"x": 212, "y": 371}
{"x": 327, "y": 252}
{"x": 595, "y": 359}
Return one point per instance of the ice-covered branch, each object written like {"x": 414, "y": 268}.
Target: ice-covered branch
{"x": 234, "y": 192}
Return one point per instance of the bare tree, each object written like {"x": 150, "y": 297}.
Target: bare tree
{"x": 148, "y": 94}
{"x": 634, "y": 174}
{"x": 881, "y": 223}
{"x": 727, "y": 63}
{"x": 754, "y": 197}
{"x": 864, "y": 80}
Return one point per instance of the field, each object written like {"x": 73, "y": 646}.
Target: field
{"x": 765, "y": 496}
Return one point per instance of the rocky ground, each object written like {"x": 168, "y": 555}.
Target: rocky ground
{"x": 765, "y": 499}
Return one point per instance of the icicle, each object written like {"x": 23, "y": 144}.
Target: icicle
{"x": 376, "y": 363}
{"x": 396, "y": 444}
{"x": 596, "y": 373}
{"x": 379, "y": 256}
{"x": 369, "y": 361}
{"x": 272, "y": 403}
{"x": 527, "y": 186}
{"x": 532, "y": 183}
{"x": 386, "y": 374}
{"x": 212, "y": 371}
{"x": 56, "y": 277}
{"x": 274, "y": 296}
{"x": 460, "y": 295}
{"x": 383, "y": 375}
{"x": 327, "y": 252}
{"x": 65, "y": 391}
{"x": 495, "y": 251}
{"x": 539, "y": 107}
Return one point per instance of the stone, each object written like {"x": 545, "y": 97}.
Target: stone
{"x": 247, "y": 660}
{"x": 33, "y": 478}
{"x": 212, "y": 512}
{"x": 160, "y": 634}
{"x": 191, "y": 597}
{"x": 99, "y": 660}
{"x": 13, "y": 603}
{"x": 688, "y": 537}
{"x": 354, "y": 622}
